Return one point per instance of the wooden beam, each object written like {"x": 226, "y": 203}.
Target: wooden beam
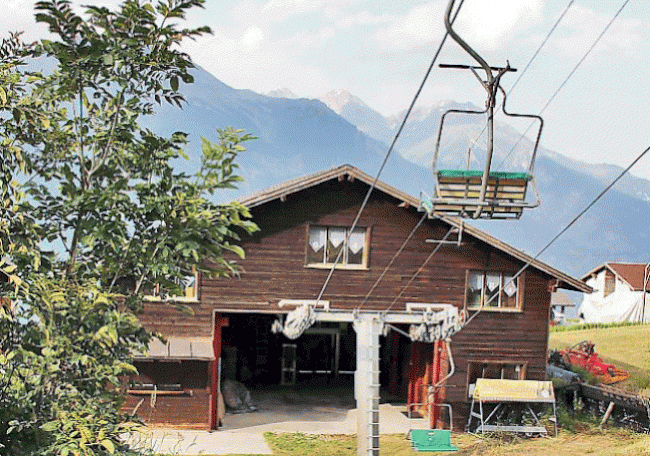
{"x": 215, "y": 388}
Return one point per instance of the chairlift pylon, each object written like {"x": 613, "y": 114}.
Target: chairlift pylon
{"x": 484, "y": 194}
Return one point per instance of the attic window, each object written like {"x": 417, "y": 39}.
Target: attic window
{"x": 610, "y": 283}
{"x": 325, "y": 243}
{"x": 493, "y": 291}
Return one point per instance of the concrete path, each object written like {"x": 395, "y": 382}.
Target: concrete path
{"x": 250, "y": 440}
{"x": 189, "y": 442}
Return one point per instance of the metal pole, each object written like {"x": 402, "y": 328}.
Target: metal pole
{"x": 645, "y": 284}
{"x": 366, "y": 383}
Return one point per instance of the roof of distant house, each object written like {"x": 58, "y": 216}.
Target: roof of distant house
{"x": 633, "y": 274}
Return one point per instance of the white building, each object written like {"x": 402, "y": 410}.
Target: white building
{"x": 618, "y": 294}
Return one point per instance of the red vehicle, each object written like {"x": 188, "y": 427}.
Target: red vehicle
{"x": 582, "y": 354}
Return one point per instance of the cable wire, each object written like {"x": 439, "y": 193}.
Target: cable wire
{"x": 419, "y": 270}
{"x": 392, "y": 260}
{"x": 575, "y": 219}
{"x": 548, "y": 35}
{"x": 566, "y": 79}
{"x": 388, "y": 153}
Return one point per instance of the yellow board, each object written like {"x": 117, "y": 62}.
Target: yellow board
{"x": 497, "y": 390}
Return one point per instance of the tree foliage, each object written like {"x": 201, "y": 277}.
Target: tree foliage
{"x": 93, "y": 214}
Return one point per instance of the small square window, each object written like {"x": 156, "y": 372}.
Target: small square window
{"x": 327, "y": 243}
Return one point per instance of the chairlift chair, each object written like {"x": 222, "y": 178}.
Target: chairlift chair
{"x": 484, "y": 194}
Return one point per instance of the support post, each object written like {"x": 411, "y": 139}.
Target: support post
{"x": 608, "y": 412}
{"x": 215, "y": 387}
{"x": 366, "y": 383}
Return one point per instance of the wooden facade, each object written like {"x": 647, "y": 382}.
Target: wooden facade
{"x": 512, "y": 341}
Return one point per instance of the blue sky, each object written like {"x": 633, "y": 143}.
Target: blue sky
{"x": 379, "y": 51}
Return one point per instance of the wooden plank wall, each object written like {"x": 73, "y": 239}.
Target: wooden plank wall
{"x": 274, "y": 269}
{"x": 189, "y": 409}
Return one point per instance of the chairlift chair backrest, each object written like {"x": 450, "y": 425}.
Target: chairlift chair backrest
{"x": 483, "y": 193}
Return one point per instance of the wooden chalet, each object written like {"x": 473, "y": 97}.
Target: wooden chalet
{"x": 304, "y": 224}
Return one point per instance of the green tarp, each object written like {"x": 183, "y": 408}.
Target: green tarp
{"x": 476, "y": 173}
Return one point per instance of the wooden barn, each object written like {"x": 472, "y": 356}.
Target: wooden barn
{"x": 304, "y": 224}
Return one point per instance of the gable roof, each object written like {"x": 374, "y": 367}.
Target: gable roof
{"x": 282, "y": 190}
{"x": 559, "y": 298}
{"x": 631, "y": 273}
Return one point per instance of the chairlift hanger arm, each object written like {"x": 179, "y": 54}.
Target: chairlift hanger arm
{"x": 436, "y": 150}
{"x": 531, "y": 166}
{"x": 461, "y": 66}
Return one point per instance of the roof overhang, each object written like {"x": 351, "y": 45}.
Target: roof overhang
{"x": 350, "y": 173}
{"x": 179, "y": 349}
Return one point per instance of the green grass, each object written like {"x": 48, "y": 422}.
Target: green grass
{"x": 581, "y": 326}
{"x": 625, "y": 346}
{"x": 575, "y": 440}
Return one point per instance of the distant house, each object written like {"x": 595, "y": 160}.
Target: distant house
{"x": 560, "y": 304}
{"x": 621, "y": 293}
{"x": 304, "y": 224}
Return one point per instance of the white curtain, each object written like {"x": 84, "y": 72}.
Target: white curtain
{"x": 337, "y": 236}
{"x": 476, "y": 281}
{"x": 357, "y": 240}
{"x": 317, "y": 237}
{"x": 493, "y": 281}
{"x": 509, "y": 286}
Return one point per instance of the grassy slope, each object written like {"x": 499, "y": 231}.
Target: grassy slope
{"x": 611, "y": 442}
{"x": 626, "y": 347}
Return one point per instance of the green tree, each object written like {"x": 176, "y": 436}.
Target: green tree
{"x": 93, "y": 213}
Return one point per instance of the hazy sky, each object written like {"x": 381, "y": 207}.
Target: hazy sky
{"x": 379, "y": 51}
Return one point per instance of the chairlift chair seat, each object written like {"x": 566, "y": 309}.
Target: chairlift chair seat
{"x": 457, "y": 192}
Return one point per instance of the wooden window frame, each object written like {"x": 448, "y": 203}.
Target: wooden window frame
{"x": 191, "y": 295}
{"x": 520, "y": 280}
{"x": 341, "y": 265}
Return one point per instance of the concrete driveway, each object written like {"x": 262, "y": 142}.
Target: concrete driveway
{"x": 313, "y": 410}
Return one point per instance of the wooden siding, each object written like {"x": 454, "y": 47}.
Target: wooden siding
{"x": 274, "y": 269}
{"x": 188, "y": 408}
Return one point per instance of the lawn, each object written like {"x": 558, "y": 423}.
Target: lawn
{"x": 624, "y": 346}
{"x": 591, "y": 440}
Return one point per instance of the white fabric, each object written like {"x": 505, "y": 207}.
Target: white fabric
{"x": 475, "y": 281}
{"x": 510, "y": 287}
{"x": 493, "y": 281}
{"x": 336, "y": 236}
{"x": 356, "y": 241}
{"x": 317, "y": 235}
{"x": 296, "y": 322}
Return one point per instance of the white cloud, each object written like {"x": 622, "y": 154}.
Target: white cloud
{"x": 419, "y": 26}
{"x": 582, "y": 26}
{"x": 488, "y": 25}
{"x": 252, "y": 39}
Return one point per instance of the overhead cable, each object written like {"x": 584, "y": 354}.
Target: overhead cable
{"x": 392, "y": 260}
{"x": 548, "y": 35}
{"x": 420, "y": 269}
{"x": 567, "y": 79}
{"x": 388, "y": 153}
{"x": 575, "y": 219}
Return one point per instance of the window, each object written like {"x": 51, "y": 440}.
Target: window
{"x": 188, "y": 287}
{"x": 610, "y": 283}
{"x": 493, "y": 290}
{"x": 327, "y": 242}
{"x": 493, "y": 369}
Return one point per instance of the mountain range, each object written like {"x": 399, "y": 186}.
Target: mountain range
{"x": 298, "y": 136}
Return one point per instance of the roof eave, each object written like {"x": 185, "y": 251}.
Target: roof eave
{"x": 282, "y": 190}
